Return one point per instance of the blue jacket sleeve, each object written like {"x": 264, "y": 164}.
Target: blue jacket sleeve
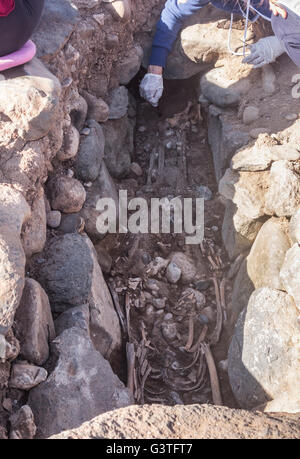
{"x": 174, "y": 14}
{"x": 170, "y": 23}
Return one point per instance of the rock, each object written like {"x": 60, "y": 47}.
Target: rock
{"x": 169, "y": 330}
{"x": 242, "y": 289}
{"x": 118, "y": 146}
{"x": 204, "y": 192}
{"x": 72, "y": 223}
{"x": 34, "y": 326}
{"x": 104, "y": 322}
{"x": 185, "y": 422}
{"x": 91, "y": 152}
{"x": 60, "y": 16}
{"x": 291, "y": 116}
{"x": 78, "y": 109}
{"x": 254, "y": 133}
{"x": 81, "y": 386}
{"x": 268, "y": 79}
{"x": 98, "y": 109}
{"x": 225, "y": 137}
{"x": 189, "y": 271}
{"x": 70, "y": 144}
{"x": 238, "y": 231}
{"x": 22, "y": 426}
{"x": 118, "y": 103}
{"x": 156, "y": 265}
{"x": 130, "y": 64}
{"x": 104, "y": 259}
{"x": 267, "y": 254}
{"x": 14, "y": 211}
{"x": 259, "y": 157}
{"x": 173, "y": 273}
{"x": 54, "y": 218}
{"x": 9, "y": 346}
{"x": 288, "y": 402}
{"x": 246, "y": 190}
{"x": 66, "y": 273}
{"x": 264, "y": 352}
{"x": 136, "y": 169}
{"x": 103, "y": 187}
{"x": 120, "y": 9}
{"x": 25, "y": 377}
{"x": 290, "y": 273}
{"x": 294, "y": 230}
{"x": 29, "y": 98}
{"x": 78, "y": 317}
{"x": 283, "y": 196}
{"x": 34, "y": 231}
{"x": 250, "y": 114}
{"x": 66, "y": 194}
{"x": 223, "y": 90}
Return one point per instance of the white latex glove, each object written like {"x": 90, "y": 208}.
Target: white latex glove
{"x": 265, "y": 51}
{"x": 151, "y": 88}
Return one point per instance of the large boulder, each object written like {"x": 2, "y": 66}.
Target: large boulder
{"x": 61, "y": 16}
{"x": 34, "y": 231}
{"x": 66, "y": 271}
{"x": 238, "y": 231}
{"x": 14, "y": 211}
{"x": 80, "y": 387}
{"x": 242, "y": 289}
{"x": 283, "y": 196}
{"x": 225, "y": 137}
{"x": 246, "y": 190}
{"x": 29, "y": 100}
{"x": 267, "y": 254}
{"x": 290, "y": 273}
{"x": 66, "y": 194}
{"x": 104, "y": 323}
{"x": 294, "y": 230}
{"x": 91, "y": 152}
{"x": 103, "y": 187}
{"x": 118, "y": 146}
{"x": 263, "y": 358}
{"x": 33, "y": 325}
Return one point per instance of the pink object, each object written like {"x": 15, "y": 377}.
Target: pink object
{"x": 23, "y": 55}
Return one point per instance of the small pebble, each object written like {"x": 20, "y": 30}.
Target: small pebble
{"x": 291, "y": 117}
{"x": 142, "y": 129}
{"x": 168, "y": 316}
{"x": 70, "y": 173}
{"x": 173, "y": 273}
{"x": 54, "y": 218}
{"x": 88, "y": 184}
{"x": 169, "y": 330}
{"x": 169, "y": 145}
{"x": 204, "y": 192}
{"x": 215, "y": 228}
{"x": 250, "y": 114}
{"x": 202, "y": 285}
{"x": 223, "y": 365}
{"x": 159, "y": 303}
{"x": 86, "y": 131}
{"x": 136, "y": 169}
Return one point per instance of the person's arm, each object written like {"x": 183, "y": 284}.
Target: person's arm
{"x": 170, "y": 23}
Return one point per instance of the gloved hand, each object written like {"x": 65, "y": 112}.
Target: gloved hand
{"x": 151, "y": 88}
{"x": 265, "y": 51}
